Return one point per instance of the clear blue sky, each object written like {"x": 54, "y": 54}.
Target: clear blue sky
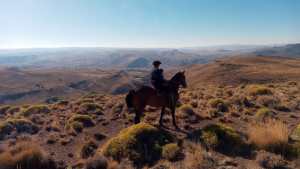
{"x": 147, "y": 23}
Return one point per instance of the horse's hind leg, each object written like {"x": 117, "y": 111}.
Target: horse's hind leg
{"x": 138, "y": 114}
{"x": 161, "y": 116}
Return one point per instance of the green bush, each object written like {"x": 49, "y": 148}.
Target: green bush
{"x": 142, "y": 143}
{"x": 264, "y": 113}
{"x": 219, "y": 104}
{"x": 185, "y": 110}
{"x": 78, "y": 122}
{"x": 296, "y": 133}
{"x": 224, "y": 139}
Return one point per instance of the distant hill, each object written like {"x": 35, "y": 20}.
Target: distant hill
{"x": 139, "y": 63}
{"x": 291, "y": 50}
{"x": 245, "y": 69}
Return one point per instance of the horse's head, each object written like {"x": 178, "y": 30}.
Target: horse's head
{"x": 179, "y": 79}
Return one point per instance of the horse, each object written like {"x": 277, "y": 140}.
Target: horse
{"x": 138, "y": 100}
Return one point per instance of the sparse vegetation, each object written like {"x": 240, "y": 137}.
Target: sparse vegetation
{"x": 252, "y": 125}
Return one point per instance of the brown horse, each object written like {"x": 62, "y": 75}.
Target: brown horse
{"x": 138, "y": 100}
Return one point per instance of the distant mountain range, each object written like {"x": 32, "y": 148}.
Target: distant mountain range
{"x": 291, "y": 50}
{"x": 117, "y": 58}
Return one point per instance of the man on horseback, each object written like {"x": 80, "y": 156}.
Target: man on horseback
{"x": 157, "y": 78}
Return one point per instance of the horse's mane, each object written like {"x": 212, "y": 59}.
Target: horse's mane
{"x": 176, "y": 76}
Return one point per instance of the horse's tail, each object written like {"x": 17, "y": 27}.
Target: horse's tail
{"x": 129, "y": 99}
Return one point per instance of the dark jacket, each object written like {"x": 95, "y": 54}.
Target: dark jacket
{"x": 157, "y": 75}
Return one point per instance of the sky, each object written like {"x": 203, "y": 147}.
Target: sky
{"x": 147, "y": 23}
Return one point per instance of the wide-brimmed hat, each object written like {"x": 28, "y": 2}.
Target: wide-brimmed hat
{"x": 156, "y": 63}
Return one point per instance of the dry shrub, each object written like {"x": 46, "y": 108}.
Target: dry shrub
{"x": 194, "y": 156}
{"x": 259, "y": 90}
{"x": 268, "y": 101}
{"x": 3, "y": 109}
{"x": 171, "y": 151}
{"x": 219, "y": 104}
{"x": 35, "y": 109}
{"x": 78, "y": 122}
{"x": 88, "y": 149}
{"x": 25, "y": 156}
{"x": 272, "y": 135}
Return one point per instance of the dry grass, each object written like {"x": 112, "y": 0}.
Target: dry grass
{"x": 25, "y": 156}
{"x": 272, "y": 135}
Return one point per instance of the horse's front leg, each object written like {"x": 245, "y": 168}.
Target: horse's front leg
{"x": 137, "y": 118}
{"x": 174, "y": 118}
{"x": 161, "y": 116}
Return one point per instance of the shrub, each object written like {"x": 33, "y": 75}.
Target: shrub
{"x": 268, "y": 101}
{"x": 259, "y": 90}
{"x": 272, "y": 135}
{"x": 171, "y": 151}
{"x": 88, "y": 149}
{"x": 193, "y": 156}
{"x": 78, "y": 122}
{"x": 36, "y": 109}
{"x": 141, "y": 143}
{"x": 3, "y": 109}
{"x": 186, "y": 112}
{"x": 294, "y": 150}
{"x": 264, "y": 113}
{"x": 13, "y": 110}
{"x": 90, "y": 107}
{"x": 25, "y": 156}
{"x": 20, "y": 125}
{"x": 219, "y": 104}
{"x": 224, "y": 139}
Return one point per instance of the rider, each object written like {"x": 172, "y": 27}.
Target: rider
{"x": 157, "y": 77}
